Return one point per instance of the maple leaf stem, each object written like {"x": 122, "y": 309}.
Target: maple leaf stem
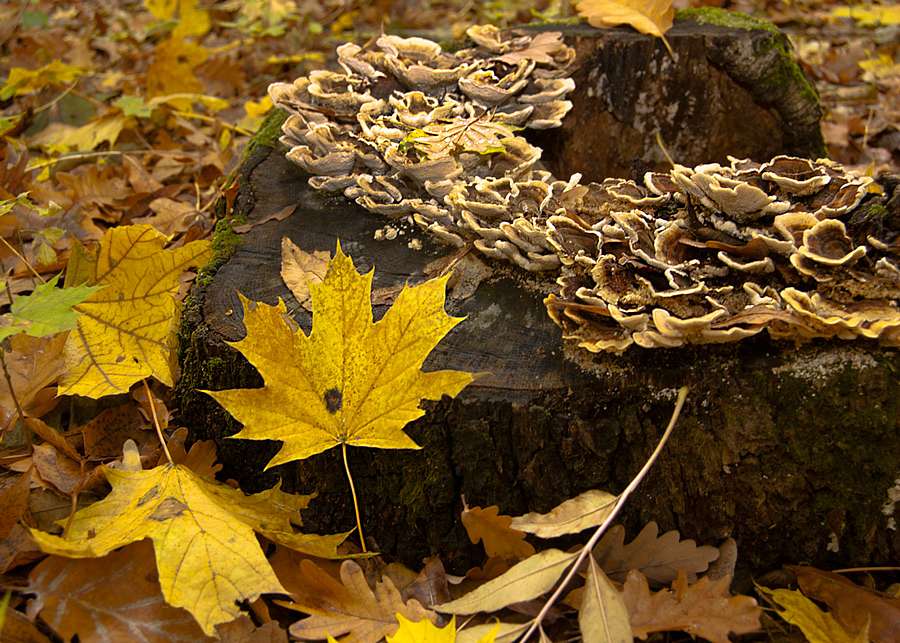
{"x": 12, "y": 393}
{"x": 362, "y": 539}
{"x": 583, "y": 554}
{"x": 159, "y": 433}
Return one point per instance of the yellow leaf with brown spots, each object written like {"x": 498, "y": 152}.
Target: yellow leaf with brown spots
{"x": 203, "y": 533}
{"x": 127, "y": 331}
{"x": 350, "y": 381}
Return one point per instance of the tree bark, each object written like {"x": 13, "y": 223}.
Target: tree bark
{"x": 790, "y": 450}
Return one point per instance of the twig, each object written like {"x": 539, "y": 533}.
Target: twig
{"x": 12, "y": 392}
{"x": 21, "y": 258}
{"x": 362, "y": 540}
{"x": 159, "y": 432}
{"x": 536, "y": 623}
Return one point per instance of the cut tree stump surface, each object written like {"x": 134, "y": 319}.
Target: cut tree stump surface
{"x": 792, "y": 451}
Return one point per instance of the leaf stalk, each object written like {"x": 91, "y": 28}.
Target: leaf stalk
{"x": 362, "y": 539}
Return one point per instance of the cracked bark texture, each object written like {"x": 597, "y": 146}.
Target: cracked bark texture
{"x": 787, "y": 449}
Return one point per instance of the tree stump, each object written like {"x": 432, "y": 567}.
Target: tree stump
{"x": 790, "y": 450}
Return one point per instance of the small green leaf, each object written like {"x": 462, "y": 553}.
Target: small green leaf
{"x": 46, "y": 311}
{"x": 133, "y": 106}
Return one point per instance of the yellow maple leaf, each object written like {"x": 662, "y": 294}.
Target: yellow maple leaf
{"x": 172, "y": 69}
{"x": 207, "y": 554}
{"x": 423, "y": 631}
{"x": 23, "y": 81}
{"x": 127, "y": 331}
{"x": 350, "y": 382}
{"x": 61, "y": 138}
{"x": 652, "y": 17}
{"x": 192, "y": 20}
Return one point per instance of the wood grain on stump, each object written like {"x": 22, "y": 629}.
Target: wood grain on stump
{"x": 789, "y": 450}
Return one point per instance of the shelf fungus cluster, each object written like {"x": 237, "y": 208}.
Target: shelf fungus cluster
{"x": 709, "y": 254}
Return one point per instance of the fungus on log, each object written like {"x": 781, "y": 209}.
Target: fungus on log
{"x": 776, "y": 440}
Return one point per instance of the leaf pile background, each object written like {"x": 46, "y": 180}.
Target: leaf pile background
{"x": 123, "y": 124}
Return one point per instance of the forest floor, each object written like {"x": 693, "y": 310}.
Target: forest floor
{"x": 121, "y": 113}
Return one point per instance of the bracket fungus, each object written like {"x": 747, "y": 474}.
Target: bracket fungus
{"x": 710, "y": 254}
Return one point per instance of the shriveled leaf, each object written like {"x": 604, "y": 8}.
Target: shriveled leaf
{"x": 852, "y": 605}
{"x": 659, "y": 558}
{"x": 494, "y": 531}
{"x": 103, "y": 600}
{"x": 207, "y": 554}
{"x": 34, "y": 364}
{"x": 350, "y": 606}
{"x": 423, "y": 631}
{"x": 523, "y": 582}
{"x": 603, "y": 617}
{"x": 586, "y": 510}
{"x": 13, "y": 501}
{"x": 127, "y": 331}
{"x": 430, "y": 586}
{"x": 817, "y": 626}
{"x": 705, "y": 608}
{"x": 647, "y": 16}
{"x": 478, "y": 134}
{"x": 350, "y": 381}
{"x": 299, "y": 269}
{"x": 46, "y": 311}
{"x": 243, "y": 630}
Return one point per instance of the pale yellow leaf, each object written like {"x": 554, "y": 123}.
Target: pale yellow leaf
{"x": 299, "y": 269}
{"x": 350, "y": 381}
{"x": 603, "y": 617}
{"x": 492, "y": 633}
{"x": 588, "y": 509}
{"x": 127, "y": 331}
{"x": 522, "y": 582}
{"x": 647, "y": 16}
{"x": 817, "y": 626}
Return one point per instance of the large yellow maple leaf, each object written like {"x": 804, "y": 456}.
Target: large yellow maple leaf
{"x": 207, "y": 554}
{"x": 350, "y": 381}
{"x": 127, "y": 330}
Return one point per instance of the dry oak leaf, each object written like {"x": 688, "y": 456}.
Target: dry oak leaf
{"x": 652, "y": 17}
{"x": 300, "y": 268}
{"x": 585, "y": 510}
{"x": 659, "y": 558}
{"x": 103, "y": 600}
{"x": 127, "y": 331}
{"x": 350, "y": 606}
{"x": 705, "y": 608}
{"x": 349, "y": 382}
{"x": 207, "y": 554}
{"x": 817, "y": 626}
{"x": 493, "y": 530}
